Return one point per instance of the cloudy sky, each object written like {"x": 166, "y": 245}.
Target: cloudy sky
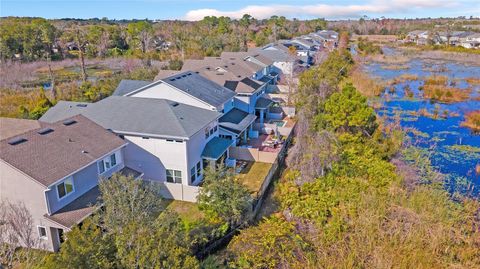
{"x": 197, "y": 9}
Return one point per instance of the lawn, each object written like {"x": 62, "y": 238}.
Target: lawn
{"x": 254, "y": 174}
{"x": 189, "y": 212}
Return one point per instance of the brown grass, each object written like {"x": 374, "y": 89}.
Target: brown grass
{"x": 403, "y": 78}
{"x": 473, "y": 81}
{"x": 472, "y": 121}
{"x": 436, "y": 80}
{"x": 365, "y": 84}
{"x": 445, "y": 94}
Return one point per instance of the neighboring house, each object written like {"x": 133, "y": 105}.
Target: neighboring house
{"x": 169, "y": 142}
{"x": 127, "y": 85}
{"x": 54, "y": 171}
{"x": 328, "y": 38}
{"x": 10, "y": 126}
{"x": 229, "y": 73}
{"x": 471, "y": 41}
{"x": 189, "y": 88}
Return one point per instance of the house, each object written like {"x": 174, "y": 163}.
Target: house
{"x": 169, "y": 142}
{"x": 471, "y": 41}
{"x": 54, "y": 171}
{"x": 329, "y": 38}
{"x": 230, "y": 73}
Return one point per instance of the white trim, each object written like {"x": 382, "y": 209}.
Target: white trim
{"x": 46, "y": 233}
{"x": 85, "y": 166}
{"x": 66, "y": 194}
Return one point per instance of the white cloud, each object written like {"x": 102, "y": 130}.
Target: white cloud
{"x": 323, "y": 10}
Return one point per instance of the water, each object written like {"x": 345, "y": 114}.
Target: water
{"x": 436, "y": 135}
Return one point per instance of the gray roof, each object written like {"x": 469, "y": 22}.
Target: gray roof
{"x": 236, "y": 120}
{"x": 144, "y": 116}
{"x": 127, "y": 86}
{"x": 200, "y": 87}
{"x": 263, "y": 103}
{"x": 215, "y": 148}
{"x": 47, "y": 155}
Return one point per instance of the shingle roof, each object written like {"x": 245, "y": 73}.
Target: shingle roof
{"x": 263, "y": 103}
{"x": 136, "y": 115}
{"x": 77, "y": 210}
{"x": 200, "y": 87}
{"x": 11, "y": 127}
{"x": 236, "y": 120}
{"x": 126, "y": 86}
{"x": 216, "y": 147}
{"x": 54, "y": 155}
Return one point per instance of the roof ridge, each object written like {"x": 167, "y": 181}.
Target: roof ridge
{"x": 178, "y": 121}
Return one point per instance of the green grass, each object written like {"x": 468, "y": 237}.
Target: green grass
{"x": 188, "y": 212}
{"x": 254, "y": 174}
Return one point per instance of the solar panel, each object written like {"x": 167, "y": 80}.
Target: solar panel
{"x": 82, "y": 105}
{"x": 45, "y": 131}
{"x": 16, "y": 141}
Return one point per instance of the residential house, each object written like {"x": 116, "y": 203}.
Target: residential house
{"x": 54, "y": 170}
{"x": 168, "y": 141}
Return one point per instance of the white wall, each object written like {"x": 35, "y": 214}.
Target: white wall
{"x": 165, "y": 91}
{"x": 153, "y": 156}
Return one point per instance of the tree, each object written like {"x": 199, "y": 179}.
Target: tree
{"x": 140, "y": 34}
{"x": 223, "y": 197}
{"x": 272, "y": 244}
{"x": 86, "y": 247}
{"x": 159, "y": 244}
{"x": 127, "y": 200}
{"x": 348, "y": 111}
{"x": 17, "y": 229}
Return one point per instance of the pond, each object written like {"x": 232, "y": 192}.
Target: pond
{"x": 435, "y": 126}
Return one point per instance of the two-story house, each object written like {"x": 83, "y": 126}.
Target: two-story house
{"x": 168, "y": 141}
{"x": 54, "y": 170}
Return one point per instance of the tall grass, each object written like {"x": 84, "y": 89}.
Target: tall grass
{"x": 365, "y": 84}
{"x": 472, "y": 121}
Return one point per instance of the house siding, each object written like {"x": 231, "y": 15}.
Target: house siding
{"x": 83, "y": 181}
{"x": 153, "y": 156}
{"x": 17, "y": 187}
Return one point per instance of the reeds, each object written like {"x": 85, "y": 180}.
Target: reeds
{"x": 472, "y": 121}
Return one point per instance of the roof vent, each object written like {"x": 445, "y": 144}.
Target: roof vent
{"x": 196, "y": 72}
{"x": 175, "y": 104}
{"x": 189, "y": 74}
{"x": 16, "y": 141}
{"x": 181, "y": 118}
{"x": 172, "y": 79}
{"x": 178, "y": 77}
{"x": 44, "y": 131}
{"x": 69, "y": 122}
{"x": 82, "y": 105}
{"x": 208, "y": 68}
{"x": 183, "y": 76}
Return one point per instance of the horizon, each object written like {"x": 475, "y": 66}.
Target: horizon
{"x": 187, "y": 10}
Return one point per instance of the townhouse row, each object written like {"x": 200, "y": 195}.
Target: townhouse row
{"x": 167, "y": 131}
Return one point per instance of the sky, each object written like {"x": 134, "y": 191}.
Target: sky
{"x": 197, "y": 9}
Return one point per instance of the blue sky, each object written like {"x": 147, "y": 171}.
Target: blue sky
{"x": 196, "y": 9}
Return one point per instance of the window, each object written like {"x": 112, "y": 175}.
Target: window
{"x": 113, "y": 159}
{"x": 101, "y": 167}
{"x": 174, "y": 176}
{"x": 199, "y": 169}
{"x": 107, "y": 163}
{"x": 211, "y": 131}
{"x": 169, "y": 140}
{"x": 42, "y": 232}
{"x": 192, "y": 174}
{"x": 207, "y": 132}
{"x": 65, "y": 188}
{"x": 215, "y": 128}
